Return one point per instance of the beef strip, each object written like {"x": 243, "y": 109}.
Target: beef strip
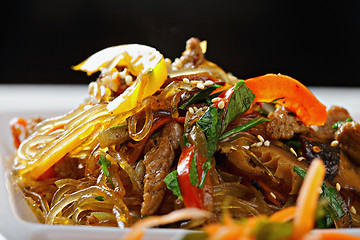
{"x": 158, "y": 162}
{"x": 348, "y": 136}
{"x": 326, "y": 133}
{"x": 284, "y": 125}
{"x": 191, "y": 57}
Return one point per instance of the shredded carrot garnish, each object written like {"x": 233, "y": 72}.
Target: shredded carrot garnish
{"x": 283, "y": 215}
{"x": 307, "y": 200}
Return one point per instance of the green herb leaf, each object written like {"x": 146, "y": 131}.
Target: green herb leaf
{"x": 186, "y": 142}
{"x": 240, "y": 101}
{"x": 206, "y": 166}
{"x": 104, "y": 166}
{"x": 210, "y": 124}
{"x": 277, "y": 99}
{"x": 172, "y": 183}
{"x": 328, "y": 193}
{"x": 246, "y": 126}
{"x": 266, "y": 230}
{"x": 201, "y": 96}
{"x": 292, "y": 142}
{"x": 99, "y": 198}
{"x": 193, "y": 175}
{"x": 338, "y": 124}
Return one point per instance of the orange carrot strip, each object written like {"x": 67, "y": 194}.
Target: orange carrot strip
{"x": 284, "y": 215}
{"x": 329, "y": 235}
{"x": 307, "y": 200}
{"x": 291, "y": 94}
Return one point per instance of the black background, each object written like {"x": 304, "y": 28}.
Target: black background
{"x": 316, "y": 42}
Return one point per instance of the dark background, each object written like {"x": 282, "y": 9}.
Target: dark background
{"x": 316, "y": 42}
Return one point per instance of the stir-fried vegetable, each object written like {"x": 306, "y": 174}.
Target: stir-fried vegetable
{"x": 291, "y": 94}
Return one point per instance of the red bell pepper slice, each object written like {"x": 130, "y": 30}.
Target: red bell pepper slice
{"x": 193, "y": 196}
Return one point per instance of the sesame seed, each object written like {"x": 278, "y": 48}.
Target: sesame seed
{"x": 167, "y": 60}
{"x": 208, "y": 83}
{"x": 260, "y": 138}
{"x": 128, "y": 80}
{"x": 300, "y": 159}
{"x": 194, "y": 82}
{"x": 215, "y": 99}
{"x": 200, "y": 85}
{"x": 175, "y": 69}
{"x": 191, "y": 110}
{"x": 338, "y": 187}
{"x": 246, "y": 147}
{"x": 123, "y": 73}
{"x": 293, "y": 152}
{"x": 353, "y": 210}
{"x": 259, "y": 144}
{"x": 253, "y": 145}
{"x": 267, "y": 143}
{"x": 221, "y": 105}
{"x": 272, "y": 195}
{"x": 334, "y": 143}
{"x": 316, "y": 149}
{"x": 195, "y": 109}
{"x": 186, "y": 80}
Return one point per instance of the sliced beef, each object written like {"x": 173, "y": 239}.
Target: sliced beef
{"x": 348, "y": 136}
{"x": 326, "y": 133}
{"x": 191, "y": 57}
{"x": 157, "y": 163}
{"x": 284, "y": 125}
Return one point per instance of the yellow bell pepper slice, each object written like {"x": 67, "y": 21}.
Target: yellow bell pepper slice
{"x": 145, "y": 62}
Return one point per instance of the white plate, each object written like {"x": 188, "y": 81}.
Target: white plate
{"x": 16, "y": 220}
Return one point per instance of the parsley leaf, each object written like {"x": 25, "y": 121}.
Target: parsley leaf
{"x": 104, "y": 166}
{"x": 210, "y": 124}
{"x": 338, "y": 124}
{"x": 246, "y": 126}
{"x": 172, "y": 183}
{"x": 334, "y": 209}
{"x": 193, "y": 175}
{"x": 201, "y": 96}
{"x": 99, "y": 198}
{"x": 240, "y": 101}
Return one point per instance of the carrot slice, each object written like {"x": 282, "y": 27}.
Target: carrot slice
{"x": 283, "y": 215}
{"x": 291, "y": 94}
{"x": 329, "y": 235}
{"x": 307, "y": 200}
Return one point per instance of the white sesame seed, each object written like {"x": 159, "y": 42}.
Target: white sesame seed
{"x": 300, "y": 159}
{"x": 128, "y": 79}
{"x": 167, "y": 60}
{"x": 186, "y": 80}
{"x": 260, "y": 138}
{"x": 195, "y": 109}
{"x": 191, "y": 110}
{"x": 200, "y": 85}
{"x": 194, "y": 82}
{"x": 215, "y": 99}
{"x": 334, "y": 143}
{"x": 353, "y": 210}
{"x": 208, "y": 83}
{"x": 175, "y": 69}
{"x": 293, "y": 152}
{"x": 221, "y": 105}
{"x": 267, "y": 143}
{"x": 123, "y": 73}
{"x": 338, "y": 187}
{"x": 253, "y": 145}
{"x": 272, "y": 195}
{"x": 246, "y": 147}
{"x": 259, "y": 144}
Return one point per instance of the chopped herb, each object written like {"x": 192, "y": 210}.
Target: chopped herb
{"x": 206, "y": 166}
{"x": 104, "y": 166}
{"x": 201, "y": 96}
{"x": 338, "y": 124}
{"x": 292, "y": 142}
{"x": 246, "y": 126}
{"x": 193, "y": 175}
{"x": 334, "y": 209}
{"x": 99, "y": 198}
{"x": 172, "y": 183}
{"x": 210, "y": 124}
{"x": 277, "y": 99}
{"x": 186, "y": 142}
{"x": 240, "y": 101}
